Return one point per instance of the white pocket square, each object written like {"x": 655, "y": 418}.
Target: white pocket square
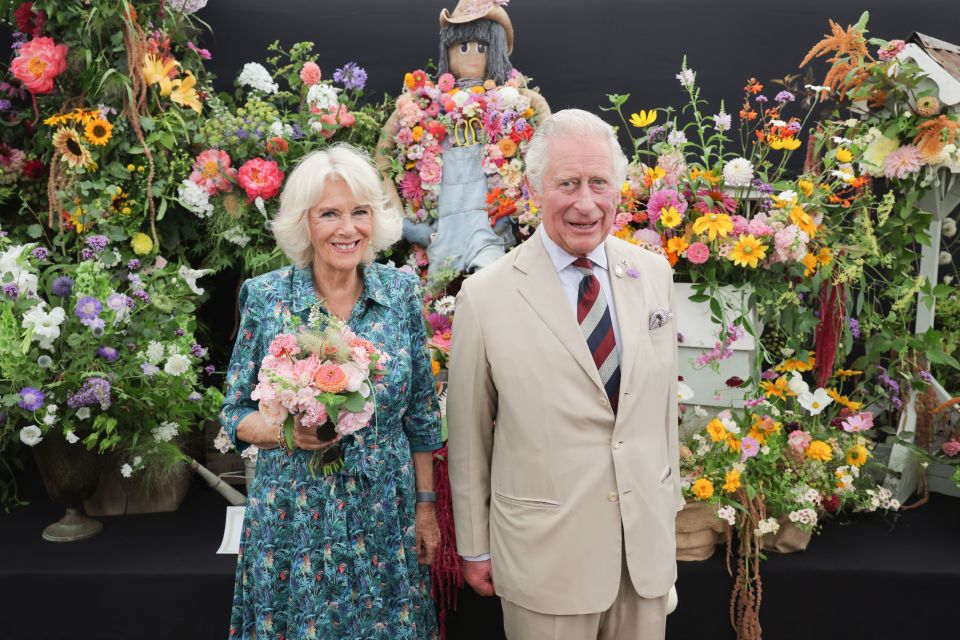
{"x": 659, "y": 318}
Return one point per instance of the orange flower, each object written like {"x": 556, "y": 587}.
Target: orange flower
{"x": 796, "y": 364}
{"x": 753, "y": 86}
{"x": 507, "y": 147}
{"x": 330, "y": 378}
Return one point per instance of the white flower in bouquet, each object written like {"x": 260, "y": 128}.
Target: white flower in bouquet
{"x": 676, "y": 138}
{"x": 323, "y": 97}
{"x": 237, "y": 236}
{"x": 31, "y": 435}
{"x": 155, "y": 352}
{"x": 445, "y": 305}
{"x": 187, "y": 6}
{"x": 814, "y": 402}
{"x": 195, "y": 199}
{"x": 11, "y": 271}
{"x": 723, "y": 121}
{"x": 50, "y": 417}
{"x": 684, "y": 392}
{"x": 250, "y": 453}
{"x": 46, "y": 326}
{"x": 948, "y": 227}
{"x": 797, "y": 384}
{"x": 738, "y": 172}
{"x": 190, "y": 276}
{"x": 806, "y": 517}
{"x": 255, "y": 76}
{"x": 770, "y": 525}
{"x": 876, "y": 152}
{"x": 126, "y": 471}
{"x": 177, "y": 365}
{"x": 71, "y": 437}
{"x": 687, "y": 78}
{"x": 728, "y": 513}
{"x": 222, "y": 442}
{"x": 165, "y": 432}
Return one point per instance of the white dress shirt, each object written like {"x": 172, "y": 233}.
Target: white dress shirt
{"x": 570, "y": 279}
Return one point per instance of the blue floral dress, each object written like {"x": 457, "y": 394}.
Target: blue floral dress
{"x": 334, "y": 558}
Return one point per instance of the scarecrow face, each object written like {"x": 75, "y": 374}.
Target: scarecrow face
{"x": 468, "y": 60}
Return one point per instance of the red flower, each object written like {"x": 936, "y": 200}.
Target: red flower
{"x": 260, "y": 178}
{"x": 831, "y": 504}
{"x": 29, "y": 21}
{"x": 34, "y": 169}
{"x": 734, "y": 381}
{"x": 277, "y": 145}
{"x": 437, "y": 130}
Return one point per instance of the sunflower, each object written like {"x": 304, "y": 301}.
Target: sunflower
{"x": 857, "y": 455}
{"x": 85, "y": 116}
{"x": 748, "y": 251}
{"x": 98, "y": 132}
{"x": 60, "y": 118}
{"x": 844, "y": 400}
{"x": 67, "y": 142}
{"x": 713, "y": 224}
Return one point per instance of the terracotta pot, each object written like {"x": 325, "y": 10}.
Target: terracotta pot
{"x": 70, "y": 474}
{"x": 699, "y": 531}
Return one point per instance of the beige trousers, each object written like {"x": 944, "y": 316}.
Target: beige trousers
{"x": 630, "y": 617}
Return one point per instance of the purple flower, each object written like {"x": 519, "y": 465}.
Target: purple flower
{"x": 150, "y": 370}
{"x": 87, "y": 254}
{"x": 748, "y": 448}
{"x": 925, "y": 376}
{"x": 94, "y": 390}
{"x": 97, "y": 243}
{"x": 854, "y": 327}
{"x": 133, "y": 265}
{"x": 40, "y": 253}
{"x": 31, "y": 398}
{"x": 889, "y": 382}
{"x": 198, "y": 351}
{"x": 5, "y": 105}
{"x": 633, "y": 273}
{"x": 209, "y": 369}
{"x": 135, "y": 282}
{"x": 784, "y": 96}
{"x": 88, "y": 308}
{"x": 11, "y": 290}
{"x": 62, "y": 286}
{"x": 762, "y": 186}
{"x": 439, "y": 322}
{"x": 96, "y": 325}
{"x": 117, "y": 302}
{"x": 108, "y": 353}
{"x": 179, "y": 332}
{"x": 761, "y": 99}
{"x": 351, "y": 76}
{"x": 143, "y": 295}
{"x": 194, "y": 397}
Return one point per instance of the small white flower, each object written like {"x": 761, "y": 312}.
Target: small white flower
{"x": 797, "y": 384}
{"x": 126, "y": 471}
{"x": 165, "y": 432}
{"x": 155, "y": 352}
{"x": 676, "y": 138}
{"x": 46, "y": 326}
{"x": 945, "y": 258}
{"x": 195, "y": 199}
{"x": 137, "y": 462}
{"x": 173, "y": 349}
{"x": 238, "y": 237}
{"x": 31, "y": 435}
{"x": 764, "y": 527}
{"x": 727, "y": 513}
{"x": 764, "y": 449}
{"x": 83, "y": 413}
{"x": 323, "y": 97}
{"x": 684, "y": 392}
{"x": 788, "y": 196}
{"x": 738, "y": 172}
{"x": 445, "y": 305}
{"x": 814, "y": 402}
{"x": 276, "y": 129}
{"x": 777, "y": 123}
{"x": 177, "y": 365}
{"x": 71, "y": 437}
{"x": 686, "y": 77}
{"x": 948, "y": 227}
{"x": 190, "y": 276}
{"x": 250, "y": 453}
{"x": 851, "y": 122}
{"x": 222, "y": 442}
{"x": 700, "y": 412}
{"x": 256, "y": 76}
{"x": 723, "y": 121}
{"x": 841, "y": 140}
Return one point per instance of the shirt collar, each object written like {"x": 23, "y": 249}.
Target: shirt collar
{"x": 561, "y": 259}
{"x": 304, "y": 295}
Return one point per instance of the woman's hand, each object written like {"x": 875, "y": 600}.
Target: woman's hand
{"x": 306, "y": 437}
{"x": 428, "y": 532}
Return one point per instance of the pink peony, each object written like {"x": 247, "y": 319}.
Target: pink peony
{"x": 310, "y": 74}
{"x": 430, "y": 172}
{"x": 349, "y": 422}
{"x": 902, "y": 162}
{"x": 951, "y": 447}
{"x": 662, "y": 200}
{"x": 697, "y": 253}
{"x": 355, "y": 376}
{"x": 260, "y": 178}
{"x": 284, "y": 344}
{"x": 38, "y": 64}
{"x": 212, "y": 171}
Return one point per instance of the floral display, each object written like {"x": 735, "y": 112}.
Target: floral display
{"x": 323, "y": 375}
{"x": 499, "y": 117}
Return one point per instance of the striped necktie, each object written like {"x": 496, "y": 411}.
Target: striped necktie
{"x": 593, "y": 314}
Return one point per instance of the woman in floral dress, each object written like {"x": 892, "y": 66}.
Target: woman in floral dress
{"x": 341, "y": 556}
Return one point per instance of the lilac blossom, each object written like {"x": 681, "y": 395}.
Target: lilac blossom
{"x": 198, "y": 351}
{"x": 87, "y": 254}
{"x": 97, "y": 243}
{"x": 351, "y": 76}
{"x": 209, "y": 369}
{"x": 94, "y": 390}
{"x": 784, "y": 97}
{"x": 133, "y": 265}
{"x": 854, "y": 327}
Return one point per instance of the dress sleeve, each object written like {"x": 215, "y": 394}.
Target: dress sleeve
{"x": 244, "y": 367}
{"x": 421, "y": 422}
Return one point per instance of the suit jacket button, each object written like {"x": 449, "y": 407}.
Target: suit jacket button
{"x": 612, "y": 497}
{"x": 604, "y": 402}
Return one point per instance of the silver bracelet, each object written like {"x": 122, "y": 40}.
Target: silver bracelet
{"x": 426, "y": 496}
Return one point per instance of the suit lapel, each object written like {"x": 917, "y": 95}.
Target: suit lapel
{"x": 542, "y": 290}
{"x": 629, "y": 301}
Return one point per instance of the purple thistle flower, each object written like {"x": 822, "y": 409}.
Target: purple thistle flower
{"x": 11, "y": 290}
{"x": 97, "y": 243}
{"x": 95, "y": 390}
{"x": 133, "y": 265}
{"x": 62, "y": 286}
{"x": 108, "y": 353}
{"x": 31, "y": 398}
{"x": 40, "y": 253}
{"x": 88, "y": 308}
{"x": 351, "y": 76}
{"x": 854, "y": 327}
{"x": 87, "y": 254}
{"x": 784, "y": 97}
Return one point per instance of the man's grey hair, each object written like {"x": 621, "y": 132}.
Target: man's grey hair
{"x": 485, "y": 32}
{"x": 572, "y": 122}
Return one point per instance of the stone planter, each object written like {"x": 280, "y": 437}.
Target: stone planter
{"x": 699, "y": 531}
{"x": 116, "y": 495}
{"x": 70, "y": 475}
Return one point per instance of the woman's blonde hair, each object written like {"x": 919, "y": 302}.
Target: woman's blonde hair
{"x": 304, "y": 189}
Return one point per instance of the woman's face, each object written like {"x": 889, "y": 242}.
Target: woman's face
{"x": 468, "y": 60}
{"x": 340, "y": 228}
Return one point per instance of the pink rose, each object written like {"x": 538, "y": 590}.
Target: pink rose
{"x": 38, "y": 64}
{"x": 408, "y": 112}
{"x": 430, "y": 172}
{"x": 310, "y": 74}
{"x": 260, "y": 178}
{"x": 951, "y": 447}
{"x": 405, "y": 135}
{"x": 349, "y": 423}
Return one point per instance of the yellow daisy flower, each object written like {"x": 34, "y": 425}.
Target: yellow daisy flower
{"x": 713, "y": 224}
{"x": 141, "y": 244}
{"x": 670, "y": 218}
{"x": 796, "y": 364}
{"x": 844, "y": 155}
{"x": 820, "y": 451}
{"x": 644, "y": 118}
{"x": 716, "y": 430}
{"x": 732, "y": 482}
{"x": 846, "y": 373}
{"x": 857, "y": 455}
{"x": 748, "y": 251}
{"x": 677, "y": 245}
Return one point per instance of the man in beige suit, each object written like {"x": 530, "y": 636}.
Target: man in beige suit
{"x": 562, "y": 409}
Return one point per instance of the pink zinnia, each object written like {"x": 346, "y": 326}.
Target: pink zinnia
{"x": 697, "y": 253}
{"x": 902, "y": 162}
{"x": 212, "y": 171}
{"x": 662, "y": 200}
{"x": 891, "y": 50}
{"x": 410, "y": 187}
{"x": 446, "y": 82}
{"x": 260, "y": 178}
{"x": 310, "y": 73}
{"x": 330, "y": 378}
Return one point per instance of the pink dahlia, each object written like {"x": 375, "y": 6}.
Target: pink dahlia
{"x": 212, "y": 171}
{"x": 39, "y": 63}
{"x": 662, "y": 200}
{"x": 310, "y": 73}
{"x": 697, "y": 253}
{"x": 260, "y": 178}
{"x": 902, "y": 162}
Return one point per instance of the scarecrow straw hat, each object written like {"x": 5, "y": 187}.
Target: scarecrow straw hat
{"x": 471, "y": 10}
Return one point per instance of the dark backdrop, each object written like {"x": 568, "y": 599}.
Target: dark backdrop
{"x": 576, "y": 51}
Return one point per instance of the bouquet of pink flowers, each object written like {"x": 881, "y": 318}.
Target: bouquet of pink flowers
{"x": 324, "y": 377}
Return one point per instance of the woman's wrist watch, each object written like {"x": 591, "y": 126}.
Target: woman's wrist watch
{"x": 426, "y": 496}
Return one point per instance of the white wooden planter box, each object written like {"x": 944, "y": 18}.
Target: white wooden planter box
{"x": 699, "y": 336}
{"x": 940, "y": 479}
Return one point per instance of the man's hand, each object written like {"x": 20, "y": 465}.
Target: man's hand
{"x": 479, "y": 575}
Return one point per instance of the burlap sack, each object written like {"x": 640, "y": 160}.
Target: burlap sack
{"x": 788, "y": 539}
{"x": 699, "y": 531}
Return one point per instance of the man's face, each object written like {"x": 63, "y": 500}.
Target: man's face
{"x": 468, "y": 60}
{"x": 578, "y": 199}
